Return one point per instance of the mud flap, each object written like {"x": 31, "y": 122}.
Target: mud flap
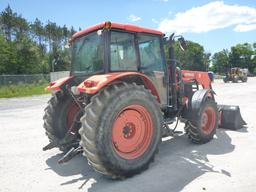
{"x": 230, "y": 117}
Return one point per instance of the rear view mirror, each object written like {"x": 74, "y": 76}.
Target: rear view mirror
{"x": 183, "y": 44}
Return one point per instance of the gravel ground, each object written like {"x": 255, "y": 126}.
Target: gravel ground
{"x": 227, "y": 163}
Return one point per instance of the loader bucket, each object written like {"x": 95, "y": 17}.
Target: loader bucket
{"x": 230, "y": 117}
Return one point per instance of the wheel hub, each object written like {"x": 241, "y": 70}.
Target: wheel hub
{"x": 208, "y": 120}
{"x": 132, "y": 132}
{"x": 129, "y": 130}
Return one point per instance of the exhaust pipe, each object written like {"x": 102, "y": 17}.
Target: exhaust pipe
{"x": 230, "y": 117}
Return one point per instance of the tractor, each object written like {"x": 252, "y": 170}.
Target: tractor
{"x": 122, "y": 94}
{"x": 235, "y": 74}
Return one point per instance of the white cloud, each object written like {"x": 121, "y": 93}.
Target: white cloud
{"x": 214, "y": 15}
{"x": 134, "y": 18}
{"x": 245, "y": 28}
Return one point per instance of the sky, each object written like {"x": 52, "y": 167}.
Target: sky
{"x": 216, "y": 25}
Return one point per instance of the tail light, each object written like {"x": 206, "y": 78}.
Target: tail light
{"x": 89, "y": 83}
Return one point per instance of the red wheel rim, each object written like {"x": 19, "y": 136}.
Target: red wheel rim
{"x": 73, "y": 109}
{"x": 132, "y": 132}
{"x": 208, "y": 120}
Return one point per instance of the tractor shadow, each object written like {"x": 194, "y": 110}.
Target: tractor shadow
{"x": 76, "y": 166}
{"x": 178, "y": 163}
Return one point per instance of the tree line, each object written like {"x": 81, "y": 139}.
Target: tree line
{"x": 195, "y": 58}
{"x": 34, "y": 47}
{"x": 240, "y": 55}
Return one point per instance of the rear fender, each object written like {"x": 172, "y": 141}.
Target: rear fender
{"x": 58, "y": 84}
{"x": 95, "y": 83}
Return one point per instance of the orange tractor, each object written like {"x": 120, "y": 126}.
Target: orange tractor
{"x": 122, "y": 95}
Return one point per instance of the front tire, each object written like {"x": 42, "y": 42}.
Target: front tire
{"x": 203, "y": 128}
{"x": 121, "y": 130}
{"x": 244, "y": 79}
{"x": 225, "y": 79}
{"x": 235, "y": 79}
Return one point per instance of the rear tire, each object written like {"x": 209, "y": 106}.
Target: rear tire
{"x": 204, "y": 127}
{"x": 121, "y": 130}
{"x": 235, "y": 79}
{"x": 58, "y": 117}
{"x": 244, "y": 79}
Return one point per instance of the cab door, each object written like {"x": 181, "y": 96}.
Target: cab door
{"x": 152, "y": 62}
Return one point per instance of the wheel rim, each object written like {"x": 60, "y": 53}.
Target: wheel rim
{"x": 73, "y": 109}
{"x": 208, "y": 120}
{"x": 132, "y": 132}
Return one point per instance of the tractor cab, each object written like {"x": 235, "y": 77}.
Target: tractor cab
{"x": 114, "y": 48}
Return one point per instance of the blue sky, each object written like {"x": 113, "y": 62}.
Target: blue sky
{"x": 214, "y": 24}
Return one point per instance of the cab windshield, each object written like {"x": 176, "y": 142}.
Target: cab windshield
{"x": 88, "y": 54}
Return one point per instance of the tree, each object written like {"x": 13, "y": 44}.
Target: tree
{"x": 242, "y": 56}
{"x": 65, "y": 33}
{"x": 72, "y": 31}
{"x": 37, "y": 29}
{"x": 194, "y": 58}
{"x": 254, "y": 58}
{"x": 220, "y": 61}
{"x": 21, "y": 27}
{"x": 7, "y": 56}
{"x": 7, "y": 22}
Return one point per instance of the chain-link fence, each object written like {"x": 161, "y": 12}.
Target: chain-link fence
{"x": 59, "y": 74}
{"x": 23, "y": 79}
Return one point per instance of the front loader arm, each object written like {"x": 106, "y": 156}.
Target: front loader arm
{"x": 202, "y": 78}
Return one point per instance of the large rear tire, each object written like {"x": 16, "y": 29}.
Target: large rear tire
{"x": 244, "y": 79}
{"x": 59, "y": 115}
{"x": 203, "y": 128}
{"x": 121, "y": 130}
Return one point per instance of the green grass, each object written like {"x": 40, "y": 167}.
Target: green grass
{"x": 23, "y": 90}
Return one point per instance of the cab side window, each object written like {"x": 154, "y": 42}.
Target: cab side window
{"x": 122, "y": 48}
{"x": 150, "y": 52}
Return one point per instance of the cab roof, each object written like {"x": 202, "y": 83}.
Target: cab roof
{"x": 108, "y": 24}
